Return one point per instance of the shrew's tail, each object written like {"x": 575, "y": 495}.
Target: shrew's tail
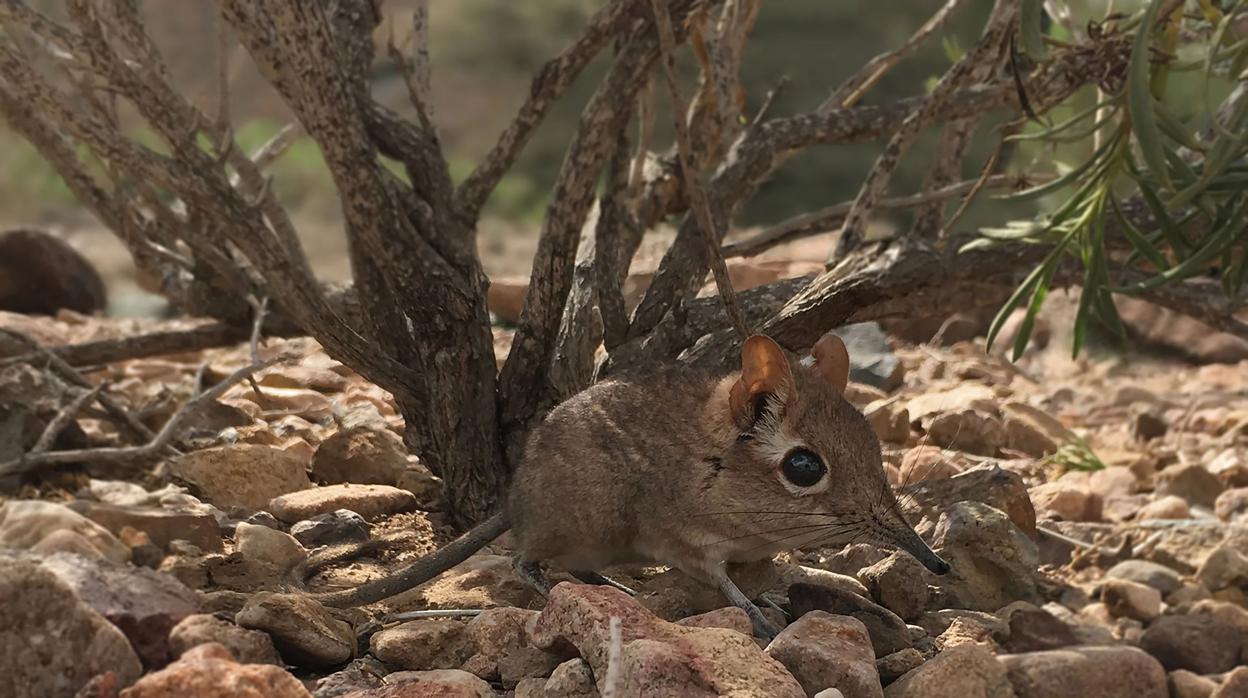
{"x": 422, "y": 570}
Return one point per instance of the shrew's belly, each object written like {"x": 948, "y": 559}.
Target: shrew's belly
{"x": 594, "y": 559}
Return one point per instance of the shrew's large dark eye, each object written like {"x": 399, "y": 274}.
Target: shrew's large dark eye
{"x": 803, "y": 468}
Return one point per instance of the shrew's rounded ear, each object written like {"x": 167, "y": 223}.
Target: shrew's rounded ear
{"x": 832, "y": 361}
{"x": 764, "y": 371}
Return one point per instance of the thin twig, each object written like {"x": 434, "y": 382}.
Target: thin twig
{"x": 615, "y": 656}
{"x": 697, "y": 196}
{"x": 856, "y": 87}
{"x": 275, "y": 147}
{"x": 197, "y": 383}
{"x": 552, "y": 80}
{"x": 415, "y": 70}
{"x": 985, "y": 177}
{"x": 645, "y": 135}
{"x": 162, "y": 439}
{"x": 774, "y": 92}
{"x": 434, "y": 613}
{"x": 223, "y": 73}
{"x": 422, "y": 65}
{"x": 64, "y": 417}
{"x": 106, "y": 351}
{"x": 1058, "y": 535}
{"x": 853, "y": 232}
{"x": 816, "y": 222}
{"x": 261, "y": 309}
{"x": 118, "y": 413}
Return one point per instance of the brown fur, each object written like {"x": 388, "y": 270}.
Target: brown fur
{"x": 685, "y": 469}
{"x": 652, "y": 468}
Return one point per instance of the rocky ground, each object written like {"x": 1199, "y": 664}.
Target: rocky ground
{"x": 1093, "y": 512}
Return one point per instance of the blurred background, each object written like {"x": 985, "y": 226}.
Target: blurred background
{"x": 485, "y": 53}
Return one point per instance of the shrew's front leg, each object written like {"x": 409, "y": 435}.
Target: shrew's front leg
{"x": 762, "y": 628}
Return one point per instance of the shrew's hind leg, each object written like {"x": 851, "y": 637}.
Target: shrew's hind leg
{"x": 532, "y": 574}
{"x": 595, "y": 578}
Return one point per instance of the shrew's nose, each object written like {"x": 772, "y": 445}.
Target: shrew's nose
{"x": 905, "y": 538}
{"x": 936, "y": 564}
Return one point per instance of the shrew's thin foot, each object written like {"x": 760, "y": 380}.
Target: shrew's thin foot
{"x": 532, "y": 574}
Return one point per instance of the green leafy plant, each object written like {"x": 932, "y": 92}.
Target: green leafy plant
{"x": 1189, "y": 170}
{"x": 1076, "y": 455}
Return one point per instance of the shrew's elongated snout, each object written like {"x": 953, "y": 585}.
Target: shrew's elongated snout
{"x": 930, "y": 560}
{"x": 900, "y": 534}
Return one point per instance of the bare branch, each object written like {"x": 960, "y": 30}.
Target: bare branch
{"x": 714, "y": 116}
{"x": 946, "y": 168}
{"x": 257, "y": 326}
{"x": 987, "y": 51}
{"x": 618, "y": 236}
{"x": 823, "y": 220}
{"x": 1200, "y": 299}
{"x": 700, "y": 320}
{"x": 124, "y": 419}
{"x": 63, "y": 418}
{"x": 984, "y": 176}
{"x": 223, "y": 73}
{"x": 701, "y": 209}
{"x": 551, "y": 82}
{"x": 214, "y": 334}
{"x": 774, "y": 92}
{"x": 955, "y": 140}
{"x": 422, "y": 65}
{"x": 524, "y": 377}
{"x": 645, "y": 136}
{"x": 758, "y": 153}
{"x": 852, "y": 90}
{"x": 909, "y": 278}
{"x": 902, "y": 279}
{"x": 129, "y": 454}
{"x": 609, "y": 240}
{"x": 416, "y": 71}
{"x": 275, "y": 147}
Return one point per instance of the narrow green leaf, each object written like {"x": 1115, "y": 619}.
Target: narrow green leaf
{"x": 1173, "y": 233}
{"x": 1239, "y": 62}
{"x": 1174, "y": 129}
{"x": 1197, "y": 263}
{"x": 1138, "y": 240}
{"x": 1042, "y": 274}
{"x": 1062, "y": 126}
{"x": 1229, "y": 145}
{"x": 1094, "y": 164}
{"x": 1023, "y": 291}
{"x": 953, "y": 49}
{"x": 1107, "y": 310}
{"x": 1014, "y": 230}
{"x": 1233, "y": 181}
{"x": 981, "y": 243}
{"x": 1033, "y": 309}
{"x": 1140, "y": 97}
{"x": 1102, "y": 299}
{"x": 1081, "y": 315}
{"x": 1207, "y": 74}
